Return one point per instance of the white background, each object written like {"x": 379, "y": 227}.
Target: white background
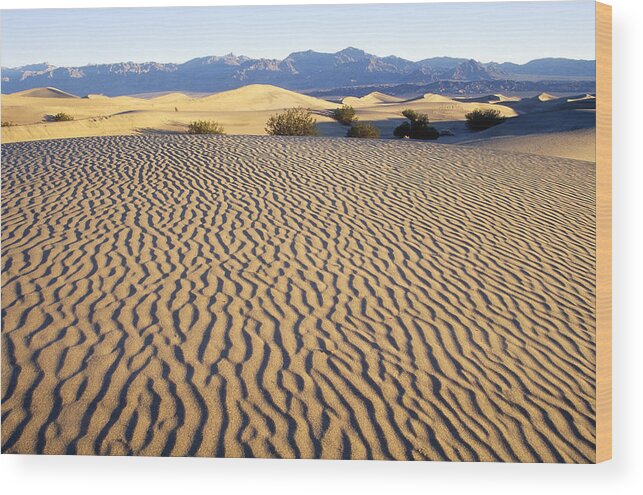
{"x": 623, "y": 475}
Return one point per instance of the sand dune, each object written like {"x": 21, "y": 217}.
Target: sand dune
{"x": 443, "y": 112}
{"x": 562, "y": 127}
{"x": 240, "y": 111}
{"x": 579, "y": 144}
{"x": 495, "y": 98}
{"x": 433, "y": 98}
{"x": 442, "y": 108}
{"x": 566, "y": 130}
{"x": 548, "y": 103}
{"x": 45, "y": 93}
{"x": 263, "y": 97}
{"x": 545, "y": 97}
{"x": 296, "y": 297}
{"x": 584, "y": 97}
{"x": 246, "y": 110}
{"x": 370, "y": 99}
{"x": 171, "y": 98}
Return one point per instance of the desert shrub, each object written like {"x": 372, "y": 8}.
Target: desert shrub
{"x": 403, "y": 130}
{"x": 424, "y": 132}
{"x": 205, "y": 127}
{"x": 6, "y": 123}
{"x": 363, "y": 130}
{"x": 416, "y": 117}
{"x": 483, "y": 119}
{"x": 293, "y": 122}
{"x": 417, "y": 127}
{"x": 344, "y": 115}
{"x": 61, "y": 117}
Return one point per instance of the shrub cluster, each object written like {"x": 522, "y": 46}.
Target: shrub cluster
{"x": 417, "y": 127}
{"x": 205, "y": 127}
{"x": 416, "y": 117}
{"x": 61, "y": 117}
{"x": 6, "y": 123}
{"x": 479, "y": 119}
{"x": 293, "y": 122}
{"x": 363, "y": 130}
{"x": 344, "y": 115}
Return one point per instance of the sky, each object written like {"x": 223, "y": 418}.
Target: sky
{"x": 493, "y": 31}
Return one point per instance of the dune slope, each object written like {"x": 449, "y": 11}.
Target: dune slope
{"x": 44, "y": 93}
{"x": 562, "y": 133}
{"x": 296, "y": 297}
{"x": 262, "y": 97}
{"x": 373, "y": 98}
{"x": 241, "y": 111}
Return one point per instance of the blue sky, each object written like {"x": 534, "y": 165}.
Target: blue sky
{"x": 493, "y": 31}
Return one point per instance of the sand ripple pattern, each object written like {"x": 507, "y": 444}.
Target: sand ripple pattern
{"x": 296, "y": 297}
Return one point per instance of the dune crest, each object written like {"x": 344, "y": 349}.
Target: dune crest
{"x": 495, "y": 98}
{"x": 434, "y": 98}
{"x": 582, "y": 98}
{"x": 263, "y": 97}
{"x": 545, "y": 97}
{"x": 501, "y": 97}
{"x": 373, "y": 98}
{"x": 171, "y": 98}
{"x": 48, "y": 92}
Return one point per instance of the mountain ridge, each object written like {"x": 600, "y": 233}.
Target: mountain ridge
{"x": 302, "y": 71}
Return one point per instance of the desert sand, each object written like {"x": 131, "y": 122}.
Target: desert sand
{"x": 545, "y": 124}
{"x": 241, "y": 111}
{"x": 296, "y": 297}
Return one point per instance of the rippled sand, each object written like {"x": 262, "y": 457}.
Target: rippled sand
{"x": 296, "y": 297}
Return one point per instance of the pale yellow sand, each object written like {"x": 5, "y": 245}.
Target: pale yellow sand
{"x": 545, "y": 97}
{"x": 44, "y": 93}
{"x": 579, "y": 144}
{"x": 296, "y": 297}
{"x": 240, "y": 111}
{"x": 245, "y": 111}
{"x": 370, "y": 99}
{"x": 566, "y": 133}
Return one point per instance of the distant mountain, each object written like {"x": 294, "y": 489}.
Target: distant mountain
{"x": 441, "y": 63}
{"x": 553, "y": 67}
{"x": 471, "y": 71}
{"x": 301, "y": 71}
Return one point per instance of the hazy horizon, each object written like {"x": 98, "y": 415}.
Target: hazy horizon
{"x": 513, "y": 32}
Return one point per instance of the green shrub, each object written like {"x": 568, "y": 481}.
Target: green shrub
{"x": 416, "y": 117}
{"x": 479, "y": 119}
{"x": 61, "y": 117}
{"x": 417, "y": 127}
{"x": 363, "y": 130}
{"x": 205, "y": 127}
{"x": 293, "y": 122}
{"x": 403, "y": 130}
{"x": 344, "y": 115}
{"x": 424, "y": 132}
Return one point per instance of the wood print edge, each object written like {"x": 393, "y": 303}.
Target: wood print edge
{"x": 603, "y": 232}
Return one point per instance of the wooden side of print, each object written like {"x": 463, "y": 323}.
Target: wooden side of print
{"x": 603, "y": 232}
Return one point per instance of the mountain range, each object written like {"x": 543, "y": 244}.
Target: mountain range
{"x": 301, "y": 71}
